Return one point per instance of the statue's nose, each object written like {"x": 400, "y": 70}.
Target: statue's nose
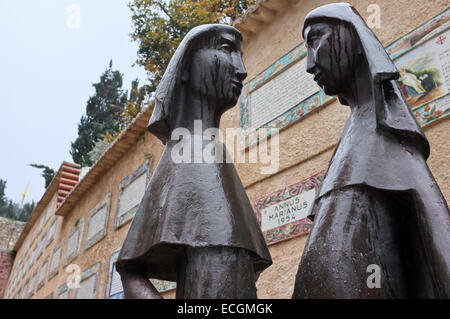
{"x": 310, "y": 63}
{"x": 241, "y": 75}
{"x": 241, "y": 72}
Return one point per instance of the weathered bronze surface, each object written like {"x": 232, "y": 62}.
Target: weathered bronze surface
{"x": 379, "y": 203}
{"x": 195, "y": 224}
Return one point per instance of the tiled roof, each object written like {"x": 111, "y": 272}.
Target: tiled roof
{"x": 112, "y": 154}
{"x": 69, "y": 179}
{"x": 251, "y": 22}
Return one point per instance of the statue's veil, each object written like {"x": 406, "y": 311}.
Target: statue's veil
{"x": 392, "y": 111}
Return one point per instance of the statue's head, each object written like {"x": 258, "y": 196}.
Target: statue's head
{"x": 346, "y": 58}
{"x": 208, "y": 63}
{"x": 216, "y": 69}
{"x": 333, "y": 52}
{"x": 338, "y": 40}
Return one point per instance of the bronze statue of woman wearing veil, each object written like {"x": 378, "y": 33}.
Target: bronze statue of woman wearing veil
{"x": 379, "y": 208}
{"x": 195, "y": 224}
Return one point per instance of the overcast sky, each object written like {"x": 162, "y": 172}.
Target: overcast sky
{"x": 51, "y": 53}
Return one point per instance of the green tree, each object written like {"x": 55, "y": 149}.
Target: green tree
{"x": 12, "y": 210}
{"x": 159, "y": 26}
{"x": 9, "y": 210}
{"x": 7, "y": 207}
{"x": 135, "y": 102}
{"x": 102, "y": 115}
{"x": 3, "y": 199}
{"x": 26, "y": 211}
{"x": 47, "y": 173}
{"x": 128, "y": 112}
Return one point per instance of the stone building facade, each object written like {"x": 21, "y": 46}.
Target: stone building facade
{"x": 6, "y": 262}
{"x": 84, "y": 234}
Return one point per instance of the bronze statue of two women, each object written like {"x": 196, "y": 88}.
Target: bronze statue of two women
{"x": 378, "y": 205}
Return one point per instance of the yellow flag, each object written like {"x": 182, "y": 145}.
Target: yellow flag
{"x": 25, "y": 192}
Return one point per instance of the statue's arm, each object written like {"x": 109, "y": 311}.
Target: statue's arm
{"x": 136, "y": 285}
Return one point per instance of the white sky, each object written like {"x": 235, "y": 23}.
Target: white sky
{"x": 47, "y": 66}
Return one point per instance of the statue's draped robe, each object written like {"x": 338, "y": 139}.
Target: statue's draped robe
{"x": 193, "y": 205}
{"x": 378, "y": 205}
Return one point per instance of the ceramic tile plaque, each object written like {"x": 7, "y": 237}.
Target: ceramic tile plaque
{"x": 287, "y": 211}
{"x": 278, "y": 96}
{"x": 51, "y": 232}
{"x": 73, "y": 242}
{"x": 54, "y": 263}
{"x": 33, "y": 282}
{"x": 131, "y": 196}
{"x": 26, "y": 265}
{"x": 283, "y": 214}
{"x": 114, "y": 289}
{"x": 98, "y": 220}
{"x": 33, "y": 255}
{"x": 26, "y": 289}
{"x": 131, "y": 191}
{"x": 163, "y": 285}
{"x": 26, "y": 245}
{"x": 50, "y": 208}
{"x": 281, "y": 93}
{"x": 41, "y": 245}
{"x": 87, "y": 288}
{"x": 63, "y": 292}
{"x": 88, "y": 283}
{"x": 268, "y": 100}
{"x": 43, "y": 273}
{"x": 13, "y": 295}
{"x": 41, "y": 223}
{"x": 10, "y": 295}
{"x": 425, "y": 74}
{"x": 17, "y": 294}
{"x": 49, "y": 296}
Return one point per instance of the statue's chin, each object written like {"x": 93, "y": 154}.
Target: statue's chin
{"x": 231, "y": 101}
{"x": 223, "y": 109}
{"x": 330, "y": 92}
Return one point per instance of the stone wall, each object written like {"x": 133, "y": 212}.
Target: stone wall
{"x": 9, "y": 232}
{"x": 6, "y": 262}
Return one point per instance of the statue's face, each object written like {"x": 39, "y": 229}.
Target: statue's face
{"x": 331, "y": 52}
{"x": 218, "y": 71}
